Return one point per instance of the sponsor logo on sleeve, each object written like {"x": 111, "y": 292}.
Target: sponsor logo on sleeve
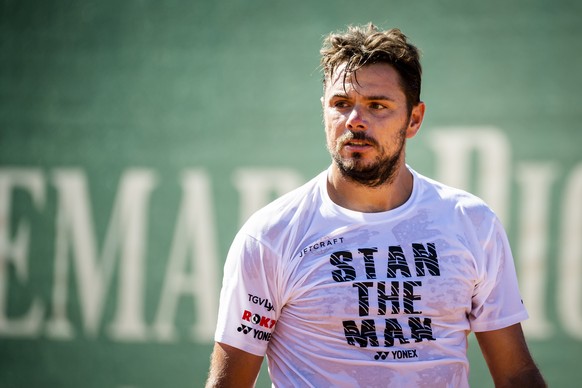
{"x": 258, "y": 326}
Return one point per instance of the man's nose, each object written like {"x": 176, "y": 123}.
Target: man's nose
{"x": 356, "y": 120}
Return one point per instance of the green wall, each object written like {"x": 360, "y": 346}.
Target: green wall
{"x": 136, "y": 136}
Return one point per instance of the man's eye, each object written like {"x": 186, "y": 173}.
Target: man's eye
{"x": 341, "y": 104}
{"x": 377, "y": 106}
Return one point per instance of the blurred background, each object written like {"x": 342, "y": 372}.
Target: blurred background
{"x": 136, "y": 136}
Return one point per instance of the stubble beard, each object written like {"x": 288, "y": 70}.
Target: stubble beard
{"x": 382, "y": 170}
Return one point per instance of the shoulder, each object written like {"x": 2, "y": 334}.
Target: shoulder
{"x": 457, "y": 202}
{"x": 449, "y": 195}
{"x": 285, "y": 212}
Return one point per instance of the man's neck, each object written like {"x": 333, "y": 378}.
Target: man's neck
{"x": 358, "y": 197}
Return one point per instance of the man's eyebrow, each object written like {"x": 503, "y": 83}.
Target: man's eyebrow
{"x": 379, "y": 97}
{"x": 339, "y": 95}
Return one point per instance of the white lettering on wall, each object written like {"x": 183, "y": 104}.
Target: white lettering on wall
{"x": 569, "y": 286}
{"x": 193, "y": 263}
{"x": 535, "y": 182}
{"x": 14, "y": 250}
{"x": 75, "y": 242}
{"x": 84, "y": 271}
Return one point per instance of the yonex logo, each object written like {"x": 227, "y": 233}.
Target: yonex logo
{"x": 244, "y": 329}
{"x": 257, "y": 334}
{"x": 396, "y": 354}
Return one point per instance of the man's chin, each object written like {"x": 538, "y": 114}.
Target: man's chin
{"x": 357, "y": 166}
{"x": 358, "y": 169}
{"x": 371, "y": 174}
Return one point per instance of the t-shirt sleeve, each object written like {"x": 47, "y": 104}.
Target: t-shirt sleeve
{"x": 497, "y": 301}
{"x": 248, "y": 310}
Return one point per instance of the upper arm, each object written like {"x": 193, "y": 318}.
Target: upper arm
{"x": 232, "y": 367}
{"x": 508, "y": 357}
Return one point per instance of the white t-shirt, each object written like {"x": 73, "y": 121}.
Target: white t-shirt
{"x": 335, "y": 297}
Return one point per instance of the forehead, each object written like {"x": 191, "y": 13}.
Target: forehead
{"x": 374, "y": 79}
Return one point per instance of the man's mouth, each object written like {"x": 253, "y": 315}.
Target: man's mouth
{"x": 357, "y": 145}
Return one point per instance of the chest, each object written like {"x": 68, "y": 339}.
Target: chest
{"x": 370, "y": 275}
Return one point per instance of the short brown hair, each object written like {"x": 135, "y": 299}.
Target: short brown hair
{"x": 364, "y": 45}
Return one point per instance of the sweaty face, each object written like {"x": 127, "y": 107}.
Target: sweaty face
{"x": 366, "y": 121}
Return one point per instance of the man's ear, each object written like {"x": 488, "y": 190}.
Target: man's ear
{"x": 415, "y": 121}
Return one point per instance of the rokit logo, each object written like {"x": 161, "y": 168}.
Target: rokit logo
{"x": 265, "y": 322}
{"x": 257, "y": 319}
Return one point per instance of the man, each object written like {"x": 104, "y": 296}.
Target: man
{"x": 370, "y": 274}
